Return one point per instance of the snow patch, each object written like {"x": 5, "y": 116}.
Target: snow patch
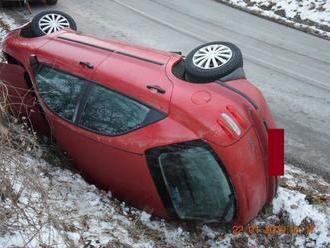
{"x": 309, "y": 15}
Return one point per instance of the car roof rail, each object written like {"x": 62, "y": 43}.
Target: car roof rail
{"x": 111, "y": 50}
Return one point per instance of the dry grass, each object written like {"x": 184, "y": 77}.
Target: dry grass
{"x": 23, "y": 198}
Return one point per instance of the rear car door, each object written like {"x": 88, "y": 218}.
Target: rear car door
{"x": 137, "y": 78}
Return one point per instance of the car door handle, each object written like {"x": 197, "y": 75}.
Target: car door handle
{"x": 87, "y": 64}
{"x": 156, "y": 88}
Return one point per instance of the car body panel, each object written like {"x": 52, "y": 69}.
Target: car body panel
{"x": 116, "y": 45}
{"x": 21, "y": 48}
{"x": 132, "y": 76}
{"x": 107, "y": 166}
{"x": 23, "y": 102}
{"x": 218, "y": 99}
{"x": 244, "y": 165}
{"x": 58, "y": 54}
{"x": 15, "y": 88}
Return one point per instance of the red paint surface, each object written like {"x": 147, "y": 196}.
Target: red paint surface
{"x": 275, "y": 152}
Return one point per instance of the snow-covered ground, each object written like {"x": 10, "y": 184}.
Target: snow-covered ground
{"x": 6, "y": 23}
{"x": 309, "y": 15}
{"x": 63, "y": 210}
{"x": 45, "y": 204}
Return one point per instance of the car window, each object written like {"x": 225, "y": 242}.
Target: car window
{"x": 111, "y": 113}
{"x": 197, "y": 185}
{"x": 60, "y": 91}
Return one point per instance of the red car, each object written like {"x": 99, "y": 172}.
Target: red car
{"x": 180, "y": 137}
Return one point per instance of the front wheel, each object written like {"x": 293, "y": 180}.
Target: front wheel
{"x": 212, "y": 61}
{"x": 51, "y": 21}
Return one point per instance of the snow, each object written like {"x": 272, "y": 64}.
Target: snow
{"x": 309, "y": 15}
{"x": 299, "y": 209}
{"x": 77, "y": 213}
{"x": 303, "y": 210}
{"x": 6, "y": 23}
{"x": 56, "y": 207}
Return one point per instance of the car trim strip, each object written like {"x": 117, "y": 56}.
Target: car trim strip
{"x": 239, "y": 93}
{"x": 111, "y": 50}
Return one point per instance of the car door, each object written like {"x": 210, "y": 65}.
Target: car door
{"x": 69, "y": 58}
{"x": 85, "y": 117}
{"x": 16, "y": 91}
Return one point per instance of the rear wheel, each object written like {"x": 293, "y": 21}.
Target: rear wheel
{"x": 51, "y": 21}
{"x": 212, "y": 61}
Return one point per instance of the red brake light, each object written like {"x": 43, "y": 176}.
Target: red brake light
{"x": 240, "y": 120}
{"x": 228, "y": 131}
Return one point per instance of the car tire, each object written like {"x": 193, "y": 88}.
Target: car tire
{"x": 51, "y": 2}
{"x": 39, "y": 23}
{"x": 212, "y": 61}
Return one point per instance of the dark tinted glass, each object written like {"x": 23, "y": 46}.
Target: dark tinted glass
{"x": 111, "y": 113}
{"x": 198, "y": 187}
{"x": 60, "y": 91}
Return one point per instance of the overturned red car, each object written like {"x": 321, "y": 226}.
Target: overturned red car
{"x": 180, "y": 137}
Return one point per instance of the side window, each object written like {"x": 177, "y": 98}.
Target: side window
{"x": 110, "y": 113}
{"x": 60, "y": 91}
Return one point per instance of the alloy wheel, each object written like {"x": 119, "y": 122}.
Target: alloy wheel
{"x": 51, "y": 23}
{"x": 212, "y": 56}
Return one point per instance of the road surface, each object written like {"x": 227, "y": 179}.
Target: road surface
{"x": 290, "y": 67}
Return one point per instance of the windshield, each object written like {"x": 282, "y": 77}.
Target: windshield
{"x": 198, "y": 186}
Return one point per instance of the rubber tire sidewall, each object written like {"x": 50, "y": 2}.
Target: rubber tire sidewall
{"x": 35, "y": 21}
{"x": 199, "y": 75}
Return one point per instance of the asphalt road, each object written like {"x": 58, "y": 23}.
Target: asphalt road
{"x": 290, "y": 67}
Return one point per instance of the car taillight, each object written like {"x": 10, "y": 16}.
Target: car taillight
{"x": 230, "y": 133}
{"x": 231, "y": 123}
{"x": 238, "y": 117}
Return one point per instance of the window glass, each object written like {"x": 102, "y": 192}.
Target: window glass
{"x": 60, "y": 91}
{"x": 197, "y": 186}
{"x": 111, "y": 113}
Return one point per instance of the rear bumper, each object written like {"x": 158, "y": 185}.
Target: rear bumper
{"x": 247, "y": 159}
{"x": 246, "y": 165}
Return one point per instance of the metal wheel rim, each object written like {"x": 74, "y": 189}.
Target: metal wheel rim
{"x": 52, "y": 23}
{"x": 212, "y": 56}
